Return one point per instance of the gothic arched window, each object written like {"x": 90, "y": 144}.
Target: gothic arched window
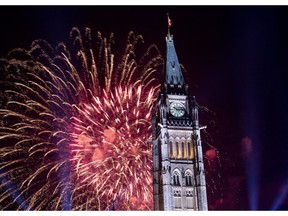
{"x": 176, "y": 179}
{"x": 188, "y": 179}
{"x": 189, "y": 149}
{"x": 182, "y": 146}
{"x": 177, "y": 149}
{"x": 171, "y": 149}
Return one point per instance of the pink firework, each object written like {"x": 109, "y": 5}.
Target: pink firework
{"x": 75, "y": 125}
{"x": 110, "y": 145}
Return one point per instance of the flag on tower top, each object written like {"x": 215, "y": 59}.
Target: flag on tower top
{"x": 169, "y": 21}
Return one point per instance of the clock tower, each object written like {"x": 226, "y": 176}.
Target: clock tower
{"x": 178, "y": 166}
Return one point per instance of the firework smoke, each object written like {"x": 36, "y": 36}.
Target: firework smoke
{"x": 75, "y": 125}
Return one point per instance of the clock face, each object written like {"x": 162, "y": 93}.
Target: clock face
{"x": 177, "y": 109}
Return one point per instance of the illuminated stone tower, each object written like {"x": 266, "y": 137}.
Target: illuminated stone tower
{"x": 178, "y": 168}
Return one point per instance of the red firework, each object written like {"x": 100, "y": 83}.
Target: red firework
{"x": 110, "y": 145}
{"x": 76, "y": 128}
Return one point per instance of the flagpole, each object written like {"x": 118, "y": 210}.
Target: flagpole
{"x": 168, "y": 19}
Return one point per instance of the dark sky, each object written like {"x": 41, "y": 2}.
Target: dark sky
{"x": 236, "y": 59}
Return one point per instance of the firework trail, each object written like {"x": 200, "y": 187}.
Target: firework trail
{"x": 75, "y": 125}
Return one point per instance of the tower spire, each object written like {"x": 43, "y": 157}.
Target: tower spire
{"x": 173, "y": 71}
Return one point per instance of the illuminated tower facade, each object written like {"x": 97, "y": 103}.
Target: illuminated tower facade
{"x": 178, "y": 167}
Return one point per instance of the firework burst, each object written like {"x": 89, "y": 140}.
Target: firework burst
{"x": 75, "y": 125}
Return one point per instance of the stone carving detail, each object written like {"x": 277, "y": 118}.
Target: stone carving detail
{"x": 177, "y": 193}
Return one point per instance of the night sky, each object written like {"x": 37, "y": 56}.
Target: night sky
{"x": 236, "y": 61}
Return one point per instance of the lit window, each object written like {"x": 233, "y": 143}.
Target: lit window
{"x": 189, "y": 150}
{"x": 171, "y": 149}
